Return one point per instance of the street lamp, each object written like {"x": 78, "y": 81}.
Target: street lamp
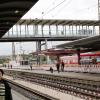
{"x": 42, "y": 23}
{"x": 13, "y": 51}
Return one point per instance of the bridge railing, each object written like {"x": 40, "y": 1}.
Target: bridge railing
{"x": 47, "y": 33}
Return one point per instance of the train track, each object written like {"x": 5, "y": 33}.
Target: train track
{"x": 28, "y": 92}
{"x": 79, "y": 87}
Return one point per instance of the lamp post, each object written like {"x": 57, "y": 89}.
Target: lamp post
{"x": 13, "y": 51}
{"x": 42, "y": 23}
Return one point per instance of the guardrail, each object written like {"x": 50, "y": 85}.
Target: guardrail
{"x": 88, "y": 68}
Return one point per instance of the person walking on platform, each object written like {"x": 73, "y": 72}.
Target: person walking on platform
{"x": 62, "y": 66}
{"x": 51, "y": 69}
{"x": 31, "y": 67}
{"x": 11, "y": 66}
{"x": 5, "y": 90}
{"x": 58, "y": 66}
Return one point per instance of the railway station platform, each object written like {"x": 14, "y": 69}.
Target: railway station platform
{"x": 66, "y": 73}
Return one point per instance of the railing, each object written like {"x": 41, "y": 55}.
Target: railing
{"x": 83, "y": 68}
{"x": 46, "y": 33}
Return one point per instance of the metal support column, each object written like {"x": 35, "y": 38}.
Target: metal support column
{"x": 79, "y": 30}
{"x": 20, "y": 30}
{"x": 65, "y": 30}
{"x": 86, "y": 28}
{"x": 94, "y": 31}
{"x": 17, "y": 30}
{"x": 76, "y": 29}
{"x": 72, "y": 30}
{"x": 82, "y": 30}
{"x": 33, "y": 30}
{"x": 25, "y": 30}
{"x": 57, "y": 30}
{"x": 42, "y": 30}
{"x": 36, "y": 28}
{"x": 63, "y": 33}
{"x": 42, "y": 24}
{"x": 49, "y": 30}
{"x": 69, "y": 31}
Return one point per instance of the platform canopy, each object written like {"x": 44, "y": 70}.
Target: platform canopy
{"x": 92, "y": 43}
{"x": 11, "y": 11}
{"x": 59, "y": 52}
{"x": 58, "y": 22}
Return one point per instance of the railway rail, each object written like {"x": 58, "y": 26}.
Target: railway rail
{"x": 29, "y": 93}
{"x": 83, "y": 88}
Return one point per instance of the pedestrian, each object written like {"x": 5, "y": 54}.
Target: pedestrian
{"x": 51, "y": 69}
{"x": 11, "y": 66}
{"x": 5, "y": 90}
{"x": 58, "y": 66}
{"x": 8, "y": 66}
{"x": 31, "y": 67}
{"x": 62, "y": 66}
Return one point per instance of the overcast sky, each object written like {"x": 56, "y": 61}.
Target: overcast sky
{"x": 55, "y": 9}
{"x": 64, "y": 9}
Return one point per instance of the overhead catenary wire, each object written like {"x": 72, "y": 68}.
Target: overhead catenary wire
{"x": 49, "y": 6}
{"x": 78, "y": 11}
{"x": 66, "y": 5}
{"x": 54, "y": 8}
{"x": 63, "y": 7}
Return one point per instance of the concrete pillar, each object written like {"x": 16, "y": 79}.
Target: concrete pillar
{"x": 46, "y": 47}
{"x": 38, "y": 49}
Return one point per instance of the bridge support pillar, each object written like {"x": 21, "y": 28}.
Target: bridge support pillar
{"x": 38, "y": 49}
{"x": 46, "y": 47}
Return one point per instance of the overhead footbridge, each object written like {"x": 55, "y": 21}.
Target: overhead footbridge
{"x": 51, "y": 29}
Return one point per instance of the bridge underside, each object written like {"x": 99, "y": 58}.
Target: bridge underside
{"x": 11, "y": 11}
{"x": 28, "y": 39}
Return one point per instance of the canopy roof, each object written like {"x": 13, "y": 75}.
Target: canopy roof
{"x": 92, "y": 43}
{"x": 11, "y": 11}
{"x": 58, "y": 22}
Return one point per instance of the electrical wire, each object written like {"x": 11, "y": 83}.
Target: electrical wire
{"x": 54, "y": 8}
{"x": 49, "y": 6}
{"x": 62, "y": 7}
{"x": 78, "y": 11}
{"x": 87, "y": 8}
